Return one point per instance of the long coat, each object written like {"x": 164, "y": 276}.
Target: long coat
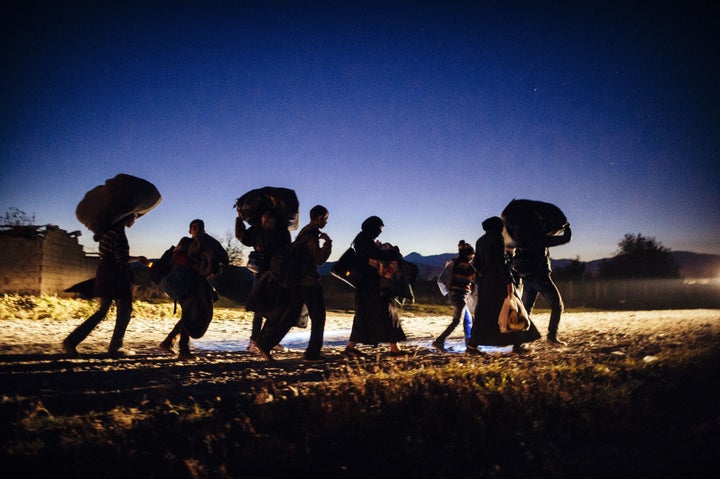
{"x": 376, "y": 317}
{"x": 494, "y": 275}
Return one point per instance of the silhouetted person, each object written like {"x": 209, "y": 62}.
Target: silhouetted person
{"x": 266, "y": 239}
{"x": 463, "y": 275}
{"x": 376, "y": 318}
{"x": 310, "y": 287}
{"x": 532, "y": 263}
{"x": 112, "y": 282}
{"x": 495, "y": 279}
{"x": 201, "y": 257}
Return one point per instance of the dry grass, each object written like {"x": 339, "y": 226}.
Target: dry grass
{"x": 627, "y": 401}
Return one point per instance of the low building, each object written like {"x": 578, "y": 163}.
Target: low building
{"x": 42, "y": 260}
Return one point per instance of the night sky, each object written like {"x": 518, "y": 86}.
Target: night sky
{"x": 431, "y": 116}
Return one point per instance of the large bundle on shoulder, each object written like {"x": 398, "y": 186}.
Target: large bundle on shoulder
{"x": 283, "y": 202}
{"x": 119, "y": 197}
{"x": 528, "y": 220}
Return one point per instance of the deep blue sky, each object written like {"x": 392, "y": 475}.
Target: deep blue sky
{"x": 431, "y": 116}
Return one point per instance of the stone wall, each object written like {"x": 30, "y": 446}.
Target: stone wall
{"x": 42, "y": 260}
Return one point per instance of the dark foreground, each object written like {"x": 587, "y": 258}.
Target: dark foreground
{"x": 632, "y": 397}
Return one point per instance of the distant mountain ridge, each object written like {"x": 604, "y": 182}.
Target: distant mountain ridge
{"x": 691, "y": 265}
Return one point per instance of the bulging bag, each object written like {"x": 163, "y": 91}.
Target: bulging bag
{"x": 345, "y": 268}
{"x": 178, "y": 282}
{"x": 513, "y": 315}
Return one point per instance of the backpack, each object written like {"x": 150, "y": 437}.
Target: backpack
{"x": 160, "y": 268}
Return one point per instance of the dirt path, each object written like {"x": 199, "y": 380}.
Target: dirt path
{"x": 33, "y": 368}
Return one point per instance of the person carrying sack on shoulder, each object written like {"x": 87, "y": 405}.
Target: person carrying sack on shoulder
{"x": 112, "y": 282}
{"x": 532, "y": 263}
{"x": 266, "y": 239}
{"x": 461, "y": 284}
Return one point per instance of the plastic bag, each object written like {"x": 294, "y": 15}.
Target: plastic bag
{"x": 302, "y": 320}
{"x": 513, "y": 316}
{"x": 444, "y": 281}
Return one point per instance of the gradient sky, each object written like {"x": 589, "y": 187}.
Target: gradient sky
{"x": 432, "y": 116}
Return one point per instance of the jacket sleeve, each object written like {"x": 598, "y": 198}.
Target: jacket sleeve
{"x": 318, "y": 254}
{"x": 559, "y": 240}
{"x": 244, "y": 235}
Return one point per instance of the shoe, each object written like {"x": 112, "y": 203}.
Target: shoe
{"x": 313, "y": 357}
{"x": 553, "y": 340}
{"x": 69, "y": 349}
{"x": 473, "y": 350}
{"x": 186, "y": 355}
{"x": 439, "y": 345}
{"x": 265, "y": 355}
{"x": 354, "y": 352}
{"x": 167, "y": 347}
{"x": 252, "y": 347}
{"x": 280, "y": 348}
{"x": 121, "y": 353}
{"x": 520, "y": 348}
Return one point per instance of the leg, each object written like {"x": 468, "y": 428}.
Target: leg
{"x": 458, "y": 302}
{"x": 167, "y": 344}
{"x": 530, "y": 293}
{"x": 467, "y": 323}
{"x": 82, "y": 331}
{"x": 185, "y": 346}
{"x": 124, "y": 311}
{"x": 257, "y": 324}
{"x": 315, "y": 302}
{"x": 549, "y": 291}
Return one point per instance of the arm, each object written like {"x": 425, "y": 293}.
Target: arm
{"x": 559, "y": 240}
{"x": 320, "y": 254}
{"x": 244, "y": 235}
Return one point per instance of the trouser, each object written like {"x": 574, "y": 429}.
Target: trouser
{"x": 313, "y": 298}
{"x": 544, "y": 285}
{"x": 124, "y": 311}
{"x": 257, "y": 321}
{"x": 467, "y": 324}
{"x": 184, "y": 343}
{"x": 279, "y": 323}
{"x": 458, "y": 301}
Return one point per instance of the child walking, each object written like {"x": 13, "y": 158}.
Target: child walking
{"x": 463, "y": 277}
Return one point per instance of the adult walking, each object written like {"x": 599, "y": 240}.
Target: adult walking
{"x": 107, "y": 210}
{"x": 532, "y": 262}
{"x": 266, "y": 238}
{"x": 494, "y": 279}
{"x": 311, "y": 291}
{"x": 197, "y": 259}
{"x": 112, "y": 283}
{"x": 376, "y": 317}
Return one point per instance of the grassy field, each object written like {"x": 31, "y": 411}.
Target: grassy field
{"x": 629, "y": 403}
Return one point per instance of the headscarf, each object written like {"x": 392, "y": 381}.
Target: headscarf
{"x": 493, "y": 224}
{"x": 372, "y": 226}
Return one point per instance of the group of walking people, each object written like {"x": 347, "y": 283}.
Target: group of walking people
{"x": 492, "y": 271}
{"x": 287, "y": 280}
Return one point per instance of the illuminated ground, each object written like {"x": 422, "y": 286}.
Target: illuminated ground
{"x": 32, "y": 366}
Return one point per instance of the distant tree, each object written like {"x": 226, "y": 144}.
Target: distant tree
{"x": 234, "y": 249}
{"x": 17, "y": 217}
{"x": 640, "y": 257}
